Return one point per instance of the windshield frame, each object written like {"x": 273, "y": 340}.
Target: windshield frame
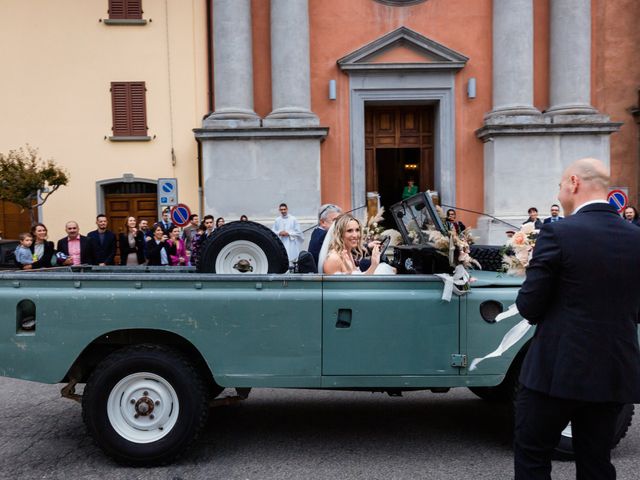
{"x": 411, "y": 208}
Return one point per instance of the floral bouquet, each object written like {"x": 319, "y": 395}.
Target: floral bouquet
{"x": 372, "y": 229}
{"x": 518, "y": 250}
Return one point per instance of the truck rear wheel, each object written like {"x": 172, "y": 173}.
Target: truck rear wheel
{"x": 145, "y": 404}
{"x": 243, "y": 247}
{"x": 564, "y": 450}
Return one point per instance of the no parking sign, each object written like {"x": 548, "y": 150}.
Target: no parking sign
{"x": 167, "y": 192}
{"x": 618, "y": 199}
{"x": 180, "y": 215}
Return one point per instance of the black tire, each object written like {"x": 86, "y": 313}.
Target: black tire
{"x": 263, "y": 251}
{"x": 133, "y": 381}
{"x": 489, "y": 256}
{"x": 507, "y": 390}
{"x": 498, "y": 394}
{"x": 564, "y": 450}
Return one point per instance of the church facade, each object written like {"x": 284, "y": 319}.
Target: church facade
{"x": 258, "y": 102}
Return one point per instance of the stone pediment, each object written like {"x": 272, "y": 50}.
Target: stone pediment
{"x": 403, "y": 49}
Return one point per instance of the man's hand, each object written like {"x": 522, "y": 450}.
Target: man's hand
{"x": 68, "y": 261}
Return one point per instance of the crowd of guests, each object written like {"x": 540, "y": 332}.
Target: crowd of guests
{"x": 167, "y": 244}
{"x": 161, "y": 244}
{"x": 629, "y": 214}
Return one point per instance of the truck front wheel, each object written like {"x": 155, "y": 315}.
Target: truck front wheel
{"x": 145, "y": 404}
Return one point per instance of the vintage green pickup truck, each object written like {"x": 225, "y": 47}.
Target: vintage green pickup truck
{"x": 156, "y": 346}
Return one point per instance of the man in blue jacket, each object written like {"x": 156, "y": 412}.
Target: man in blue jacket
{"x": 326, "y": 215}
{"x": 583, "y": 363}
{"x": 104, "y": 242}
{"x": 555, "y": 214}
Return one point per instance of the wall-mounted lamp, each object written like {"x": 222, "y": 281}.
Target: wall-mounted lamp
{"x": 332, "y": 89}
{"x": 471, "y": 88}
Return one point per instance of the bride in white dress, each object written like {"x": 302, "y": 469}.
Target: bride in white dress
{"x": 342, "y": 249}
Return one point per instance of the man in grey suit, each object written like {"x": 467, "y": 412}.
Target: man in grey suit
{"x": 583, "y": 363}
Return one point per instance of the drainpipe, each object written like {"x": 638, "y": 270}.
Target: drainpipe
{"x": 209, "y": 55}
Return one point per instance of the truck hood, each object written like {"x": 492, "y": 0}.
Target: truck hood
{"x": 494, "y": 279}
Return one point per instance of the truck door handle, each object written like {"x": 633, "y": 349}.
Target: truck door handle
{"x": 344, "y": 318}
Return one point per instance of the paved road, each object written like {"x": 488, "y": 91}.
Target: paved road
{"x": 286, "y": 434}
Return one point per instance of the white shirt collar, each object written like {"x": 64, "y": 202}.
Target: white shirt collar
{"x": 590, "y": 202}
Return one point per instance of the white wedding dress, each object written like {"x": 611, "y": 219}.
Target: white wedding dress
{"x": 382, "y": 269}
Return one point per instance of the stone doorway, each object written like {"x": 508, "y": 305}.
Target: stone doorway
{"x": 398, "y": 147}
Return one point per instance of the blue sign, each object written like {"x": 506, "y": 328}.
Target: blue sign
{"x": 167, "y": 193}
{"x": 180, "y": 215}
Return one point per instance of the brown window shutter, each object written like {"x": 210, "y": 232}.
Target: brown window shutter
{"x": 138, "y": 109}
{"x": 134, "y": 9}
{"x": 120, "y": 108}
{"x": 125, "y": 9}
{"x": 117, "y": 9}
{"x": 128, "y": 104}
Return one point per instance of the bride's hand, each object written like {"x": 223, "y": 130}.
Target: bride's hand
{"x": 375, "y": 255}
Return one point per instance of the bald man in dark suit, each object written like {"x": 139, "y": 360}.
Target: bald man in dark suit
{"x": 583, "y": 364}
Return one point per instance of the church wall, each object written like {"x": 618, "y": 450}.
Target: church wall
{"x": 339, "y": 27}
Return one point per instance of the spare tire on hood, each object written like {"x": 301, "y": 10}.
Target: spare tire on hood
{"x": 243, "y": 247}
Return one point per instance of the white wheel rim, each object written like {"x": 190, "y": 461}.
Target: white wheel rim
{"x": 143, "y": 407}
{"x": 567, "y": 431}
{"x": 241, "y": 251}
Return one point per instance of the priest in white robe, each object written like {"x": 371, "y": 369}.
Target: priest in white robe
{"x": 288, "y": 230}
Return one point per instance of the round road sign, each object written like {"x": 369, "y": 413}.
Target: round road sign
{"x": 618, "y": 200}
{"x": 180, "y": 214}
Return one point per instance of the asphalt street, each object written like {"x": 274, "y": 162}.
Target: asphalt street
{"x": 287, "y": 434}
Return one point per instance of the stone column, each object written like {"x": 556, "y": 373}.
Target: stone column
{"x": 570, "y": 52}
{"x": 290, "y": 69}
{"x": 513, "y": 58}
{"x": 232, "y": 65}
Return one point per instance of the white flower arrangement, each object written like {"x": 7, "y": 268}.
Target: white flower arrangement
{"x": 456, "y": 247}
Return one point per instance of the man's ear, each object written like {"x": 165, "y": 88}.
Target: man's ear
{"x": 575, "y": 183}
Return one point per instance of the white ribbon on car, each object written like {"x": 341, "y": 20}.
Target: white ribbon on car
{"x": 512, "y": 337}
{"x": 460, "y": 278}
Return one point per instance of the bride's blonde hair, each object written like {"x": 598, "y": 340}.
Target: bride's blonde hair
{"x": 340, "y": 225}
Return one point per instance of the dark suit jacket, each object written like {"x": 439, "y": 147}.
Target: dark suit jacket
{"x": 45, "y": 261}
{"x": 87, "y": 256}
{"x": 125, "y": 249}
{"x": 581, "y": 291}
{"x": 315, "y": 243}
{"x": 153, "y": 250}
{"x": 105, "y": 252}
{"x": 537, "y": 224}
{"x": 548, "y": 220}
